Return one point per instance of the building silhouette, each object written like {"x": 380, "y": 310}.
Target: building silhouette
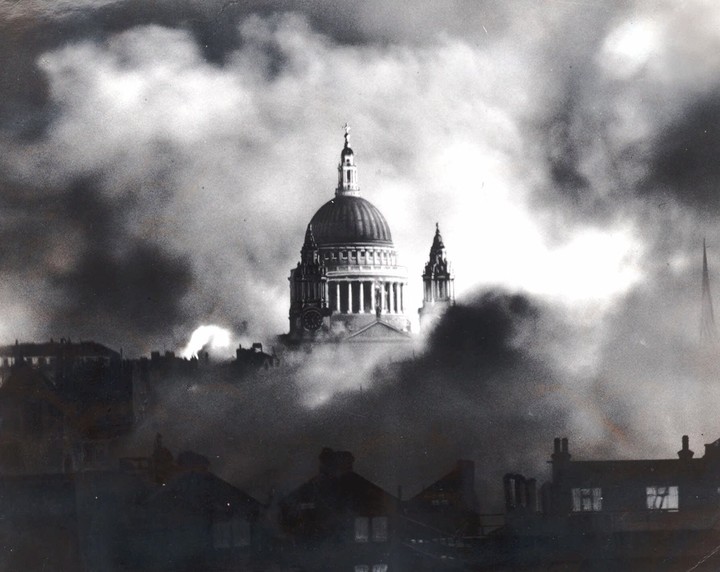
{"x": 654, "y": 514}
{"x": 63, "y": 406}
{"x": 339, "y": 520}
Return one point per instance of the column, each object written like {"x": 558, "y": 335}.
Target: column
{"x": 393, "y": 300}
{"x": 386, "y": 299}
{"x": 337, "y": 296}
{"x": 361, "y": 308}
{"x": 349, "y": 308}
{"x": 402, "y": 298}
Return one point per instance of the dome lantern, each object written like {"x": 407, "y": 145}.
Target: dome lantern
{"x": 347, "y": 170}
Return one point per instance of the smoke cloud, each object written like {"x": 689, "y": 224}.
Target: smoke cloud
{"x": 160, "y": 163}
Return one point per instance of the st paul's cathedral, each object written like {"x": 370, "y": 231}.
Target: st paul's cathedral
{"x": 349, "y": 285}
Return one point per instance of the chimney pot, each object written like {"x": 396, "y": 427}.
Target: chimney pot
{"x": 564, "y": 445}
{"x": 557, "y": 445}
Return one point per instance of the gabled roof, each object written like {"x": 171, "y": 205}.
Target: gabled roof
{"x": 348, "y": 491}
{"x": 204, "y": 492}
{"x": 378, "y": 331}
{"x": 456, "y": 487}
{"x": 454, "y": 480}
{"x": 53, "y": 348}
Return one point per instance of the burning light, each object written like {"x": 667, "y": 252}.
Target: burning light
{"x": 209, "y": 337}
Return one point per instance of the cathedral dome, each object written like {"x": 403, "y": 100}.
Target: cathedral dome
{"x": 348, "y": 219}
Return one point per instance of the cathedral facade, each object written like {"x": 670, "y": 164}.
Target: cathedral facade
{"x": 349, "y": 284}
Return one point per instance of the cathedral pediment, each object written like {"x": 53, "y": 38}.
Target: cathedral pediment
{"x": 379, "y": 331}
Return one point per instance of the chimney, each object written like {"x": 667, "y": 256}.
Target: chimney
{"x": 561, "y": 453}
{"x": 560, "y": 456}
{"x": 685, "y": 453}
{"x": 520, "y": 498}
{"x": 335, "y": 463}
{"x": 531, "y": 487}
{"x": 509, "y": 488}
{"x": 467, "y": 483}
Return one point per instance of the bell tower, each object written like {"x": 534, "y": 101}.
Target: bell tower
{"x": 308, "y": 290}
{"x": 438, "y": 283}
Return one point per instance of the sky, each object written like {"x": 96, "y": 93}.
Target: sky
{"x": 160, "y": 162}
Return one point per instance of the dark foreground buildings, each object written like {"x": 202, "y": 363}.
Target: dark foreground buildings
{"x": 63, "y": 405}
{"x": 660, "y": 514}
{"x": 69, "y": 501}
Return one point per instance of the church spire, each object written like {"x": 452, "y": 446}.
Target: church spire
{"x": 708, "y": 332}
{"x": 438, "y": 282}
{"x": 309, "y": 253}
{"x": 438, "y": 248}
{"x": 347, "y": 170}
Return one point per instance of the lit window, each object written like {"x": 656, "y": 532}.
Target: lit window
{"x": 379, "y": 568}
{"x": 662, "y": 498}
{"x": 587, "y": 500}
{"x": 380, "y": 529}
{"x": 361, "y": 529}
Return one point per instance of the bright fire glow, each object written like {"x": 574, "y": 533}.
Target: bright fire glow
{"x": 212, "y": 337}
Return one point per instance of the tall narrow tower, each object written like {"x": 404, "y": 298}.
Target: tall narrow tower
{"x": 708, "y": 332}
{"x": 438, "y": 283}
